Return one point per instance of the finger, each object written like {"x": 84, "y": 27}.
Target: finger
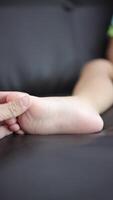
{"x": 15, "y": 128}
{"x": 11, "y": 121}
{"x": 9, "y": 96}
{"x": 14, "y": 95}
{"x": 14, "y": 108}
{"x": 4, "y": 131}
{"x": 3, "y": 95}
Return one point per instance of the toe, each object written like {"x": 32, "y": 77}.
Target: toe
{"x": 20, "y": 132}
{"x": 14, "y": 127}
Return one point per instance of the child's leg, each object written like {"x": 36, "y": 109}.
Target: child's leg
{"x": 95, "y": 85}
{"x": 79, "y": 113}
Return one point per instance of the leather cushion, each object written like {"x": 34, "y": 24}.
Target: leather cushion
{"x": 43, "y": 48}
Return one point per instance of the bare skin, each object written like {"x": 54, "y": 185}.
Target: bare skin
{"x": 10, "y": 110}
{"x": 78, "y": 113}
{"x": 57, "y": 115}
{"x": 109, "y": 52}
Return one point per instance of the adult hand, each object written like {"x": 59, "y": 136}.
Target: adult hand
{"x": 11, "y": 110}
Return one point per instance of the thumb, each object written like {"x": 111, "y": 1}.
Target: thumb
{"x": 14, "y": 108}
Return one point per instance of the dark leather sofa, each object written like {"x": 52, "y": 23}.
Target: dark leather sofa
{"x": 43, "y": 46}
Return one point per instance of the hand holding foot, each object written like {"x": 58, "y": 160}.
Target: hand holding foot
{"x": 10, "y": 110}
{"x": 57, "y": 115}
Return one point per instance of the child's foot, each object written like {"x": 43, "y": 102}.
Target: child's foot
{"x": 58, "y": 115}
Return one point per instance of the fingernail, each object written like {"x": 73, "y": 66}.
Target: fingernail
{"x": 25, "y": 101}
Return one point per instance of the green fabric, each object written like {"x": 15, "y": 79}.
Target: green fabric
{"x": 110, "y": 29}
